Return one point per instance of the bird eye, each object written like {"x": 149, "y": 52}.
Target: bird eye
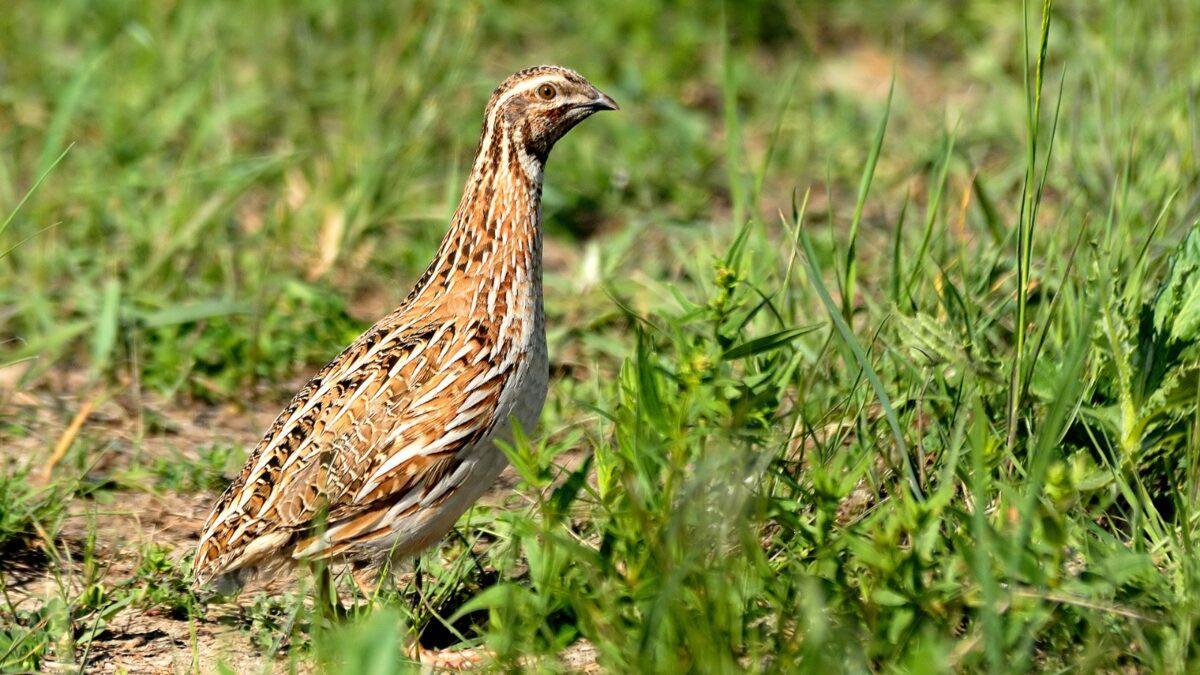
{"x": 547, "y": 92}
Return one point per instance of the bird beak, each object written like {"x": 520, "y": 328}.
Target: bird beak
{"x": 602, "y": 101}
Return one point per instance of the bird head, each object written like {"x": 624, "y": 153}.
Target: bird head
{"x": 537, "y": 106}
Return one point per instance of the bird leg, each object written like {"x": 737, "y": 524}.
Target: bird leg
{"x": 367, "y": 581}
{"x": 325, "y": 592}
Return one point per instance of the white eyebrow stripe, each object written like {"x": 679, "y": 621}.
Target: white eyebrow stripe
{"x": 527, "y": 86}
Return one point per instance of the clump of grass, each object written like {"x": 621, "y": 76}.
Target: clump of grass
{"x": 162, "y": 580}
{"x": 277, "y": 622}
{"x": 216, "y": 348}
{"x": 24, "y": 641}
{"x": 60, "y": 628}
{"x": 208, "y": 471}
{"x": 28, "y": 513}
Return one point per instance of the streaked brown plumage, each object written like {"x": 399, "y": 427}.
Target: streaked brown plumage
{"x": 382, "y": 451}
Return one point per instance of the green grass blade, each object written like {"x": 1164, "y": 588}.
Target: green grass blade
{"x": 28, "y": 193}
{"x": 864, "y": 189}
{"x": 104, "y": 335}
{"x": 847, "y": 335}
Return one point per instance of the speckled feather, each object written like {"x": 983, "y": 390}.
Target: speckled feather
{"x": 381, "y": 452}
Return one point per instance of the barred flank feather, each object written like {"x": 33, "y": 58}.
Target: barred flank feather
{"x": 383, "y": 450}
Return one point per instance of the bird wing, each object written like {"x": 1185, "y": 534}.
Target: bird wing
{"x": 375, "y": 436}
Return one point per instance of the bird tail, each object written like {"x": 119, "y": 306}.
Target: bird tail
{"x": 226, "y": 574}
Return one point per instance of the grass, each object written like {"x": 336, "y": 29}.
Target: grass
{"x": 873, "y": 327}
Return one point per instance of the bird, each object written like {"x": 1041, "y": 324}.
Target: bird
{"x": 377, "y": 456}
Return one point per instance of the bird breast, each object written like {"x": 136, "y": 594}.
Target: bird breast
{"x": 524, "y": 394}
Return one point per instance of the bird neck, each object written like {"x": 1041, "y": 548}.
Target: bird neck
{"x": 496, "y": 230}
